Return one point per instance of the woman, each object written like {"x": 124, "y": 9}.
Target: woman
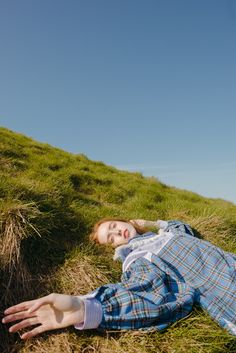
{"x": 164, "y": 275}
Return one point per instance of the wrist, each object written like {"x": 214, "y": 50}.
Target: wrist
{"x": 78, "y": 306}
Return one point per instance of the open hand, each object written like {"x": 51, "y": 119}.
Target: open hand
{"x": 51, "y": 312}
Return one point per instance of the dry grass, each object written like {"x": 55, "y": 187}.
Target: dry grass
{"x": 80, "y": 276}
{"x": 198, "y": 335}
{"x": 15, "y": 227}
{"x": 215, "y": 229}
{"x": 16, "y": 280}
{"x": 61, "y": 342}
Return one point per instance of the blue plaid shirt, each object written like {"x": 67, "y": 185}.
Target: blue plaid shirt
{"x": 157, "y": 293}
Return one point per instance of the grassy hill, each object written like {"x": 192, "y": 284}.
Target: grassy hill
{"x": 49, "y": 200}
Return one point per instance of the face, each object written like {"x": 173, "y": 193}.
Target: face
{"x": 115, "y": 233}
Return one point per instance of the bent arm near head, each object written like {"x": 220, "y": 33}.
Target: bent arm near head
{"x": 146, "y": 224}
{"x": 174, "y": 226}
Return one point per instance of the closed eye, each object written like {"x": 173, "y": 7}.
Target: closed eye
{"x": 110, "y": 239}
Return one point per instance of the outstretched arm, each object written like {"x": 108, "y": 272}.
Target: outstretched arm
{"x": 146, "y": 297}
{"x": 142, "y": 300}
{"x": 51, "y": 312}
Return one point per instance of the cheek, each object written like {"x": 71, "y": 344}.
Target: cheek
{"x": 133, "y": 231}
{"x": 119, "y": 242}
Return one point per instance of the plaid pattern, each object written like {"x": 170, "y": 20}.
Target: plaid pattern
{"x": 185, "y": 272}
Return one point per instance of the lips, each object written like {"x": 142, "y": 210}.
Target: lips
{"x": 126, "y": 233}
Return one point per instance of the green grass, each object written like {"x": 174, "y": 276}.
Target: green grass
{"x": 49, "y": 200}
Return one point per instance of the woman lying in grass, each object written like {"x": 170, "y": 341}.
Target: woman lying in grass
{"x": 164, "y": 275}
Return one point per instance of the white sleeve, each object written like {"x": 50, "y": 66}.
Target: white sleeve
{"x": 162, "y": 224}
{"x": 92, "y": 315}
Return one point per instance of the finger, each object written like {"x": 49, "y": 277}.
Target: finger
{"x": 48, "y": 299}
{"x": 19, "y": 307}
{"x": 36, "y": 303}
{"x": 24, "y": 324}
{"x": 18, "y": 316}
{"x": 38, "y": 330}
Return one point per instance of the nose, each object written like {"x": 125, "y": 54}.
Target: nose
{"x": 117, "y": 232}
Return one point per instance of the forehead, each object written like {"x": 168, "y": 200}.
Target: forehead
{"x": 102, "y": 231}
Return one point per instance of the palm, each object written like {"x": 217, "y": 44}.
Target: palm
{"x": 52, "y": 318}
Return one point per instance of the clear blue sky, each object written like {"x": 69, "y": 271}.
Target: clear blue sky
{"x": 146, "y": 85}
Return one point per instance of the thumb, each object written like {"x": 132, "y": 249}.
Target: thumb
{"x": 41, "y": 301}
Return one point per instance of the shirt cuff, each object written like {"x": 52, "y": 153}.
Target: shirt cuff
{"x": 92, "y": 314}
{"x": 162, "y": 224}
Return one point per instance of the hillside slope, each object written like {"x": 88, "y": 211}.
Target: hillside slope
{"x": 49, "y": 199}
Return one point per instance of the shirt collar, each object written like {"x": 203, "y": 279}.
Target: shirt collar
{"x": 123, "y": 251}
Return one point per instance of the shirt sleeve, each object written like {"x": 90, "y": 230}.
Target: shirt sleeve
{"x": 146, "y": 298}
{"x": 92, "y": 313}
{"x": 178, "y": 228}
{"x": 162, "y": 224}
